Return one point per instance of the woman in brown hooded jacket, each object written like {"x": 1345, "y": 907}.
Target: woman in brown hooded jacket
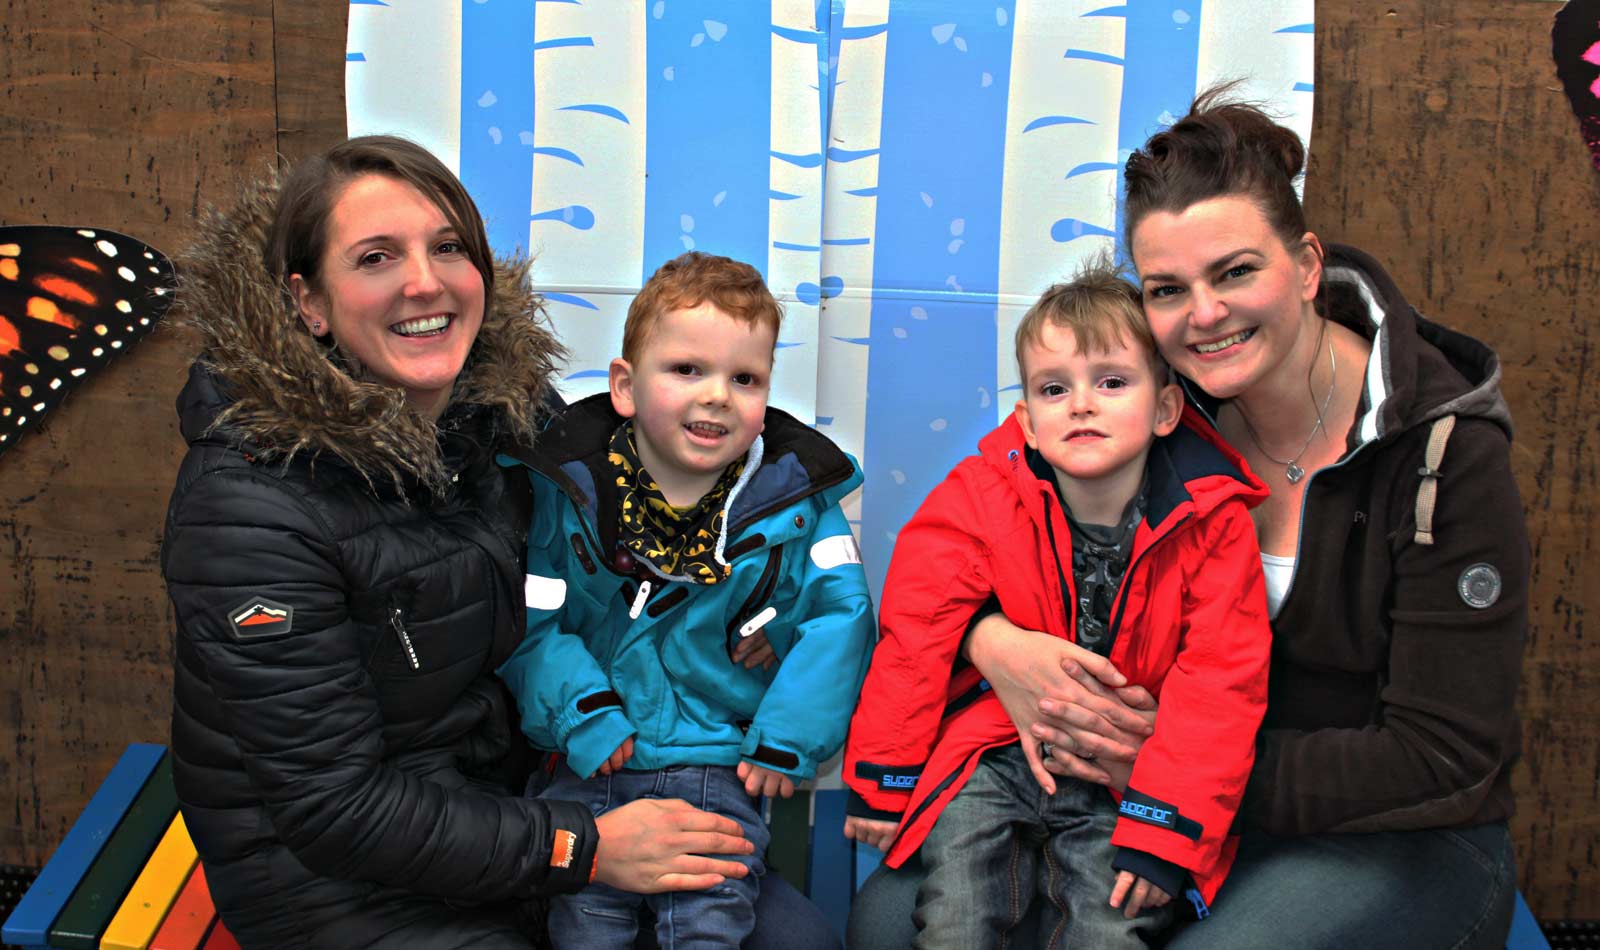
{"x": 1397, "y": 565}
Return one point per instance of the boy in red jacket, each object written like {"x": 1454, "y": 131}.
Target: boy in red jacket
{"x": 1106, "y": 513}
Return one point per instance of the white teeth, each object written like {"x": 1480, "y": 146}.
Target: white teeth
{"x": 421, "y": 325}
{"x": 1224, "y": 343}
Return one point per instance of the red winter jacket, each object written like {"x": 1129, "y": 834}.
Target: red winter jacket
{"x": 1189, "y": 624}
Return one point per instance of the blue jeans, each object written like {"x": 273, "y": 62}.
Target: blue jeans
{"x": 1002, "y": 842}
{"x": 1440, "y": 889}
{"x": 603, "y": 916}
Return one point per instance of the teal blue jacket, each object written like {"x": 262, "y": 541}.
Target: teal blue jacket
{"x": 600, "y": 664}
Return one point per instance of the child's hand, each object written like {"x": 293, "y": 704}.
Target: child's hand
{"x": 754, "y": 651}
{"x": 1144, "y": 894}
{"x": 873, "y": 831}
{"x": 623, "y": 754}
{"x": 760, "y": 781}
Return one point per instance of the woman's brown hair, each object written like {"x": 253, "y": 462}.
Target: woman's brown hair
{"x": 1220, "y": 148}
{"x": 298, "y": 235}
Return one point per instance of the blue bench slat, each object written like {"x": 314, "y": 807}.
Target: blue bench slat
{"x": 1525, "y": 932}
{"x": 832, "y": 864}
{"x": 867, "y": 860}
{"x": 29, "y": 924}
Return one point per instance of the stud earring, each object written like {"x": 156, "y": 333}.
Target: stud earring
{"x": 316, "y": 326}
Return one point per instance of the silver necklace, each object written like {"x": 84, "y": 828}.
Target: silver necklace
{"x": 1292, "y": 470}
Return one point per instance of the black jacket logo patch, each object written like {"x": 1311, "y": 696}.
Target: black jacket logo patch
{"x": 259, "y": 617}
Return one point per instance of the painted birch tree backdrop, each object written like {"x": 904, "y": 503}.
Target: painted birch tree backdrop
{"x": 908, "y": 174}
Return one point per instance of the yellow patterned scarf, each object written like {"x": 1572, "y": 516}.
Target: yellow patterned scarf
{"x": 680, "y": 543}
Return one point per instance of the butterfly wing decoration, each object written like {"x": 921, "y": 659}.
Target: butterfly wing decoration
{"x": 71, "y": 300}
{"x": 1575, "y": 44}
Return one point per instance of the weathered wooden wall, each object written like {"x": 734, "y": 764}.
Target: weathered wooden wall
{"x": 1442, "y": 144}
{"x": 130, "y": 116}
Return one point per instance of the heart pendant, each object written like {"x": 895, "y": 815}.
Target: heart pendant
{"x": 1294, "y": 473}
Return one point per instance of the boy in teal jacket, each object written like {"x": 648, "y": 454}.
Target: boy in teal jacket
{"x": 674, "y": 518}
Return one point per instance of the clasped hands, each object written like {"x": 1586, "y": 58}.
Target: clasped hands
{"x": 1077, "y": 715}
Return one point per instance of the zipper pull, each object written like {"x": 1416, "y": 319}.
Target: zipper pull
{"x": 638, "y": 600}
{"x": 1201, "y": 911}
{"x": 757, "y": 622}
{"x": 398, "y": 623}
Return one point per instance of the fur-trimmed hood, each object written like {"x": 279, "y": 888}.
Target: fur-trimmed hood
{"x": 263, "y": 382}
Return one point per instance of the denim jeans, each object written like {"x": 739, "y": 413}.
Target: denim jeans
{"x": 722, "y": 916}
{"x": 1002, "y": 842}
{"x": 1436, "y": 889}
{"x": 1445, "y": 888}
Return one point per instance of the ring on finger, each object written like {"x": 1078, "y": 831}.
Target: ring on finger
{"x": 1046, "y": 750}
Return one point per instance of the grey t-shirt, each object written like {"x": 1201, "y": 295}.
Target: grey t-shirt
{"x": 1099, "y": 559}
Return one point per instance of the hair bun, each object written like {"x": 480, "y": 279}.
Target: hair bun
{"x": 1224, "y": 146}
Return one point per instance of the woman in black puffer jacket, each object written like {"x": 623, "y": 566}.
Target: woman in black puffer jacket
{"x": 344, "y": 558}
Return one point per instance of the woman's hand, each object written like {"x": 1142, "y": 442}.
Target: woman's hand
{"x": 1059, "y": 693}
{"x": 654, "y": 845}
{"x": 1090, "y": 747}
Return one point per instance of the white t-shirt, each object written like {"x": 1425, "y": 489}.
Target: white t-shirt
{"x": 1279, "y": 571}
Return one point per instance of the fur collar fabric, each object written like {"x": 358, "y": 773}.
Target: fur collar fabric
{"x": 289, "y": 393}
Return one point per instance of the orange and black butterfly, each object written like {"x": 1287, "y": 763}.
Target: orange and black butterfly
{"x": 71, "y": 300}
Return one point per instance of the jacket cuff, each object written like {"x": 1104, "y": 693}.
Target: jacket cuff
{"x": 1163, "y": 874}
{"x": 574, "y": 843}
{"x": 594, "y": 739}
{"x": 856, "y": 807}
{"x": 757, "y": 750}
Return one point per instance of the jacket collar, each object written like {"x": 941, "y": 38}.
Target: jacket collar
{"x": 796, "y": 462}
{"x": 262, "y": 382}
{"x": 1190, "y": 471}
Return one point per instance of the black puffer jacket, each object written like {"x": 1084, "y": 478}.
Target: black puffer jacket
{"x": 346, "y": 576}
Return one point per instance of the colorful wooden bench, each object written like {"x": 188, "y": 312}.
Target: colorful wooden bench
{"x": 126, "y": 876}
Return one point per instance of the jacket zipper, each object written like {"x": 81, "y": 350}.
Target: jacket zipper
{"x": 939, "y": 789}
{"x": 750, "y": 610}
{"x": 1070, "y": 594}
{"x": 1300, "y": 524}
{"x": 397, "y": 621}
{"x": 1122, "y": 586}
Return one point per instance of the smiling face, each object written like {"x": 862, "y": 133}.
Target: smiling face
{"x": 1093, "y": 415}
{"x": 397, "y": 290}
{"x": 697, "y": 395}
{"x": 1229, "y": 302}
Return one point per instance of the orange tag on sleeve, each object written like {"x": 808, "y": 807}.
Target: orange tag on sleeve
{"x": 564, "y": 849}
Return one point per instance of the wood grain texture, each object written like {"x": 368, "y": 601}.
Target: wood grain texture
{"x": 127, "y": 116}
{"x": 309, "y": 42}
{"x": 1443, "y": 145}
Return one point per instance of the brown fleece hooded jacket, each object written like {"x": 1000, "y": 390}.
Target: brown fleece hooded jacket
{"x": 1395, "y": 663}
